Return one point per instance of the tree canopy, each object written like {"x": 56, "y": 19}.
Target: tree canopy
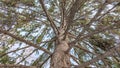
{"x": 30, "y": 31}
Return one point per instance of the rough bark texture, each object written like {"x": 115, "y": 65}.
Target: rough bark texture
{"x": 61, "y": 59}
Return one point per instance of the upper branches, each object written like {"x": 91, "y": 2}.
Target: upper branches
{"x": 68, "y": 14}
{"x": 96, "y": 19}
{"x": 72, "y": 11}
{"x": 49, "y": 17}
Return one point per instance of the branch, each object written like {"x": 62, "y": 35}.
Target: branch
{"x": 74, "y": 58}
{"x": 25, "y": 41}
{"x": 95, "y": 17}
{"x": 49, "y": 18}
{"x": 76, "y": 6}
{"x": 106, "y": 12}
{"x": 99, "y": 57}
{"x": 97, "y": 31}
{"x": 14, "y": 51}
{"x": 85, "y": 50}
{"x": 44, "y": 61}
{"x": 26, "y": 57}
{"x": 116, "y": 23}
{"x": 86, "y": 27}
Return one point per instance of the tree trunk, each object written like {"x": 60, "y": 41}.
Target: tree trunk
{"x": 60, "y": 57}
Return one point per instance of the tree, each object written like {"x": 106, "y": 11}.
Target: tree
{"x": 70, "y": 33}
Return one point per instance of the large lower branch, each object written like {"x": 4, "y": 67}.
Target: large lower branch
{"x": 25, "y": 41}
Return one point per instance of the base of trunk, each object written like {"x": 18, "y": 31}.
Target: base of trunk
{"x": 60, "y": 59}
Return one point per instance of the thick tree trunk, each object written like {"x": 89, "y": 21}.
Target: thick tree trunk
{"x": 61, "y": 58}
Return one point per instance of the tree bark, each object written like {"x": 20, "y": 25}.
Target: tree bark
{"x": 60, "y": 57}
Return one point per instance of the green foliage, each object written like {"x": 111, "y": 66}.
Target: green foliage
{"x": 116, "y": 65}
{"x": 5, "y": 59}
{"x": 27, "y": 20}
{"x": 14, "y": 3}
{"x": 102, "y": 43}
{"x": 39, "y": 39}
{"x": 28, "y": 2}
